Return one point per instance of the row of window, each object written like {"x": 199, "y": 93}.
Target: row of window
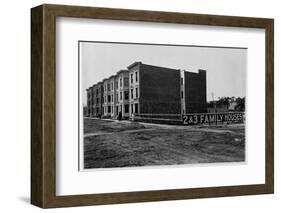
{"x": 119, "y": 96}
{"x": 91, "y": 93}
{"x": 134, "y": 109}
{"x": 110, "y": 86}
{"x": 109, "y": 98}
{"x": 132, "y": 77}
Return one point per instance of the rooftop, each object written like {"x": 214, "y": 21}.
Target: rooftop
{"x": 121, "y": 71}
{"x": 134, "y": 64}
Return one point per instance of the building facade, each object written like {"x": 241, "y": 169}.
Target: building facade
{"x": 110, "y": 95}
{"x": 195, "y": 88}
{"x": 107, "y": 98}
{"x": 122, "y": 94}
{"x": 90, "y": 101}
{"x": 154, "y": 90}
{"x": 148, "y": 89}
{"x": 98, "y": 99}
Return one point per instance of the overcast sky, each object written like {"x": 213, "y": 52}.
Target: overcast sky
{"x": 226, "y": 67}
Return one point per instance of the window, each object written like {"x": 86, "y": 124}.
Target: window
{"x": 120, "y": 82}
{"x": 126, "y": 82}
{"x": 112, "y": 98}
{"x": 102, "y": 99}
{"x": 137, "y": 93}
{"x": 132, "y": 94}
{"x": 136, "y": 73}
{"x": 127, "y": 108}
{"x": 117, "y": 97}
{"x": 126, "y": 94}
{"x": 109, "y": 109}
{"x": 131, "y": 78}
{"x": 181, "y": 94}
{"x": 98, "y": 100}
{"x": 116, "y": 84}
{"x": 108, "y": 87}
{"x": 108, "y": 98}
{"x": 121, "y": 96}
{"x": 112, "y": 86}
{"x": 132, "y": 108}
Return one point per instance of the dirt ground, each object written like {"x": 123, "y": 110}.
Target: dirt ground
{"x": 110, "y": 144}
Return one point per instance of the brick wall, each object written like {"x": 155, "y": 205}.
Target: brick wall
{"x": 195, "y": 92}
{"x": 159, "y": 90}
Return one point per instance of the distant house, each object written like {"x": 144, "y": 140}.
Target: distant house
{"x": 232, "y": 106}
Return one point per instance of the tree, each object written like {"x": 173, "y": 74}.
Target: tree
{"x": 240, "y": 106}
{"x": 224, "y": 101}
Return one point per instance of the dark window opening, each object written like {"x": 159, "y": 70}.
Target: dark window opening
{"x": 126, "y": 108}
{"x": 136, "y": 108}
{"x": 131, "y": 78}
{"x": 126, "y": 95}
{"x": 126, "y": 82}
{"x": 137, "y": 95}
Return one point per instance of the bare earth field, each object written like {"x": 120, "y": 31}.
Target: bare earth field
{"x": 109, "y": 144}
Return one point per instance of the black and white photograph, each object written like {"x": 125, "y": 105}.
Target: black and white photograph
{"x": 161, "y": 104}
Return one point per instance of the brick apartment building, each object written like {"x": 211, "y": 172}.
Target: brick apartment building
{"x": 90, "y": 104}
{"x": 148, "y": 89}
{"x": 98, "y": 98}
{"x": 106, "y": 109}
{"x": 122, "y": 93}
